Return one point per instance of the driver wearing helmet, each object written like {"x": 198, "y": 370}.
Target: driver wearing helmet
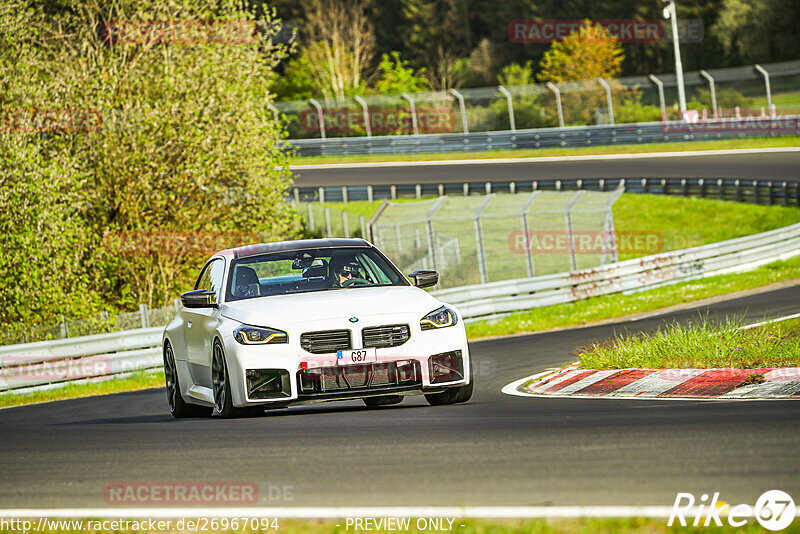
{"x": 344, "y": 269}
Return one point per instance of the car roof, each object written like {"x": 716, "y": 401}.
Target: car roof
{"x": 289, "y": 246}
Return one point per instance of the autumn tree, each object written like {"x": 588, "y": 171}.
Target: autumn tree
{"x": 576, "y": 62}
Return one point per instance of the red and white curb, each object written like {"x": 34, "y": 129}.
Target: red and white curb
{"x": 779, "y": 383}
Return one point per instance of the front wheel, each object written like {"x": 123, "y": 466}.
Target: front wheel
{"x": 453, "y": 395}
{"x": 223, "y": 401}
{"x": 178, "y": 407}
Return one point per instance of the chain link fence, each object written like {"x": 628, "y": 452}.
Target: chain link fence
{"x": 480, "y": 239}
{"x": 101, "y": 323}
{"x": 748, "y": 91}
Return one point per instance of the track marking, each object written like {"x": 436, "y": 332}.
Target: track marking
{"x": 544, "y": 159}
{"x": 488, "y": 512}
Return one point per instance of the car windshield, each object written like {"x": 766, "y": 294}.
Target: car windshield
{"x": 324, "y": 269}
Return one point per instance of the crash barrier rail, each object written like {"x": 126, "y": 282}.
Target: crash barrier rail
{"x": 572, "y": 137}
{"x": 46, "y": 364}
{"x": 760, "y": 191}
{"x": 103, "y": 322}
{"x": 79, "y": 359}
{"x": 318, "y": 126}
{"x": 483, "y": 301}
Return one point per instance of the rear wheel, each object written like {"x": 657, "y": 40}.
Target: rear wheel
{"x": 223, "y": 401}
{"x": 178, "y": 407}
{"x": 385, "y": 400}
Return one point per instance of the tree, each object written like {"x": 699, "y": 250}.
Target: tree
{"x": 759, "y": 30}
{"x": 185, "y": 157}
{"x": 590, "y": 52}
{"x": 396, "y": 76}
{"x": 339, "y": 45}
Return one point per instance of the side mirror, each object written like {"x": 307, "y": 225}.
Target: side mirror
{"x": 425, "y": 278}
{"x": 199, "y": 298}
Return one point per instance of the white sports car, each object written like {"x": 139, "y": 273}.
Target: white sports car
{"x": 299, "y": 322}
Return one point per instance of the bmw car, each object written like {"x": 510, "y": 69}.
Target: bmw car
{"x": 300, "y": 322}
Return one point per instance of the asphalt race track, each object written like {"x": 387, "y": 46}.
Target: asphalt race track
{"x": 778, "y": 165}
{"x": 495, "y": 450}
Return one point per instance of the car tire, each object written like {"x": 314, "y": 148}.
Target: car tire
{"x": 465, "y": 391}
{"x": 179, "y": 408}
{"x": 384, "y": 400}
{"x": 223, "y": 401}
{"x": 447, "y": 396}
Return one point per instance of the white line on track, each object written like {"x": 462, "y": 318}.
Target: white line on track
{"x": 545, "y": 159}
{"x": 488, "y": 512}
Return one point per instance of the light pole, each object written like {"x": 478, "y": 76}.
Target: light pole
{"x": 671, "y": 14}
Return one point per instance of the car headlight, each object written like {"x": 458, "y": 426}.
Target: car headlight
{"x": 441, "y": 318}
{"x": 253, "y": 335}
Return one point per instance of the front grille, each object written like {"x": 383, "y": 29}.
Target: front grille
{"x": 357, "y": 378}
{"x": 392, "y": 335}
{"x": 325, "y": 342}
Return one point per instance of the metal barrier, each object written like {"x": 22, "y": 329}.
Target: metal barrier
{"x": 573, "y": 136}
{"x": 32, "y": 366}
{"x": 750, "y": 191}
{"x": 482, "y": 301}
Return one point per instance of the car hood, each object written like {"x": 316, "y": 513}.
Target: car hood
{"x": 282, "y": 310}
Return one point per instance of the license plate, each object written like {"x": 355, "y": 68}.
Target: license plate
{"x": 356, "y": 356}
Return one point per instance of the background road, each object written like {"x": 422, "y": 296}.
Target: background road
{"x": 497, "y": 449}
{"x": 763, "y": 165}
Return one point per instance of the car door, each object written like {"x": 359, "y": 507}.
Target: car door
{"x": 201, "y": 323}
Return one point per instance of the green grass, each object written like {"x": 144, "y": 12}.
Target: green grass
{"x": 137, "y": 381}
{"x": 756, "y": 142}
{"x": 699, "y": 345}
{"x": 482, "y": 526}
{"x": 605, "y": 307}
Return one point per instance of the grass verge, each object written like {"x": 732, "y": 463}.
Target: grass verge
{"x": 136, "y": 381}
{"x": 481, "y": 526}
{"x": 756, "y": 142}
{"x": 700, "y": 345}
{"x": 618, "y": 305}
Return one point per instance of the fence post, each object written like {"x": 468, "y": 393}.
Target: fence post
{"x": 570, "y": 236}
{"x": 557, "y": 92}
{"x": 661, "y": 101}
{"x": 393, "y": 192}
{"x": 527, "y": 234}
{"x": 322, "y": 195}
{"x": 311, "y": 217}
{"x": 738, "y": 185}
{"x": 344, "y": 194}
{"x": 328, "y": 222}
{"x": 721, "y": 186}
{"x": 764, "y": 73}
{"x": 345, "y": 224}
{"x": 713, "y": 88}
{"x": 785, "y": 194}
{"x": 143, "y": 314}
{"x": 755, "y": 192}
{"x": 410, "y": 101}
{"x": 64, "y": 328}
{"x": 365, "y": 109}
{"x": 608, "y": 98}
{"x": 510, "y": 102}
{"x": 363, "y": 227}
{"x": 320, "y": 116}
{"x": 479, "y": 240}
{"x": 370, "y": 193}
{"x": 460, "y": 98}
{"x": 418, "y": 190}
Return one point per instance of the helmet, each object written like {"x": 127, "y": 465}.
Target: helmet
{"x": 345, "y": 264}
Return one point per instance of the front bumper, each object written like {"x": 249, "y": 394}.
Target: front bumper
{"x": 285, "y": 374}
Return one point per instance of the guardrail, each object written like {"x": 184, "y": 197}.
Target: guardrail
{"x": 483, "y": 301}
{"x": 571, "y": 136}
{"x": 31, "y": 366}
{"x": 751, "y": 191}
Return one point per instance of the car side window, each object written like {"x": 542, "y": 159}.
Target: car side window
{"x": 211, "y": 277}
